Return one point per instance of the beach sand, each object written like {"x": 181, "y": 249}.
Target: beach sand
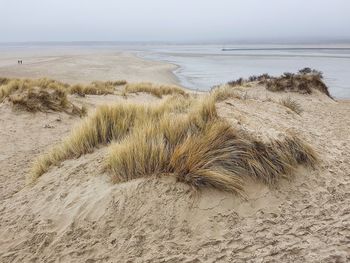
{"x": 85, "y": 66}
{"x": 75, "y": 214}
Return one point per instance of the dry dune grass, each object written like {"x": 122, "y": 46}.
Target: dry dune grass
{"x": 83, "y": 90}
{"x": 105, "y": 125}
{"x": 181, "y": 137}
{"x": 204, "y": 151}
{"x": 37, "y": 99}
{"x": 154, "y": 89}
{"x": 6, "y": 90}
{"x": 221, "y": 93}
{"x": 96, "y": 88}
{"x": 7, "y": 86}
{"x": 4, "y": 81}
{"x": 10, "y": 86}
{"x": 292, "y": 105}
{"x": 305, "y": 81}
{"x": 39, "y": 95}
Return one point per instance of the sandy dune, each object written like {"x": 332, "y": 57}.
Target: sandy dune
{"x": 75, "y": 214}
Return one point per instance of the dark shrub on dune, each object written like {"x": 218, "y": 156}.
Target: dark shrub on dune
{"x": 237, "y": 82}
{"x": 264, "y": 76}
{"x": 305, "y": 81}
{"x": 305, "y": 71}
{"x": 242, "y": 81}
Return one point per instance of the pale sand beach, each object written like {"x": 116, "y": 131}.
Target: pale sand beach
{"x": 74, "y": 66}
{"x": 75, "y": 213}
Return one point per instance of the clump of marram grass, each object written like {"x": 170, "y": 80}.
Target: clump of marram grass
{"x": 4, "y": 81}
{"x": 154, "y": 89}
{"x": 203, "y": 150}
{"x": 96, "y": 88}
{"x": 222, "y": 93}
{"x": 90, "y": 89}
{"x": 186, "y": 140}
{"x": 237, "y": 82}
{"x": 7, "y": 86}
{"x": 107, "y": 124}
{"x": 39, "y": 95}
{"x": 292, "y": 105}
{"x": 36, "y": 99}
{"x": 13, "y": 85}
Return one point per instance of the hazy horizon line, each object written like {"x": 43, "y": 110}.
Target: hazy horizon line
{"x": 294, "y": 41}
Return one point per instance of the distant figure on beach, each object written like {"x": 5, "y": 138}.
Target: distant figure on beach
{"x": 20, "y": 62}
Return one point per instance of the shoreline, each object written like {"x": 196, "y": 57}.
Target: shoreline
{"x": 87, "y": 65}
{"x": 172, "y": 71}
{"x": 177, "y": 67}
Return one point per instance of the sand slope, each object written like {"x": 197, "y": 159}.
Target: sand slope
{"x": 75, "y": 214}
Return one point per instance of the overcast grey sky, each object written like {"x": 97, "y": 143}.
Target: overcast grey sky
{"x": 173, "y": 20}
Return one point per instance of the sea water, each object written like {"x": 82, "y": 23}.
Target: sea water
{"x": 200, "y": 67}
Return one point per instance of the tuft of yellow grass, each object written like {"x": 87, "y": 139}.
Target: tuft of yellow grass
{"x": 154, "y": 89}
{"x": 108, "y": 123}
{"x": 209, "y": 154}
{"x": 181, "y": 137}
{"x": 4, "y": 81}
{"x": 8, "y": 86}
{"x": 36, "y": 99}
{"x": 96, "y": 87}
{"x": 39, "y": 95}
{"x": 182, "y": 148}
{"x": 225, "y": 92}
{"x": 292, "y": 105}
